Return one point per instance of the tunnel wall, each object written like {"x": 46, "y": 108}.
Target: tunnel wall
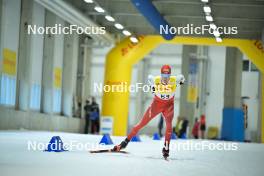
{"x": 25, "y": 69}
{"x": 11, "y": 119}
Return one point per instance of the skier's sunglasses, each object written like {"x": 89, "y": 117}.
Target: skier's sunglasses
{"x": 165, "y": 75}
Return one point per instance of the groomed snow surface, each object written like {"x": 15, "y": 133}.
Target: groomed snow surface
{"x": 144, "y": 158}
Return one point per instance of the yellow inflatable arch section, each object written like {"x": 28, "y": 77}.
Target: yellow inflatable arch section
{"x": 124, "y": 55}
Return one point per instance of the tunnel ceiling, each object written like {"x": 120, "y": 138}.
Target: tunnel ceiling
{"x": 247, "y": 15}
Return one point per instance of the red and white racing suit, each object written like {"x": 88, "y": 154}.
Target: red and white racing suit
{"x": 163, "y": 102}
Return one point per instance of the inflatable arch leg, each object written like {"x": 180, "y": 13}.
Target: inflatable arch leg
{"x": 262, "y": 107}
{"x": 119, "y": 63}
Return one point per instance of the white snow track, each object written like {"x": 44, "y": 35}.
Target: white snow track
{"x": 144, "y": 158}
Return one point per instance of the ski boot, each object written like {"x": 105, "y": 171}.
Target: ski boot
{"x": 165, "y": 153}
{"x": 121, "y": 146}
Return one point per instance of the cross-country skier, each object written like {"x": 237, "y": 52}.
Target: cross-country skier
{"x": 163, "y": 87}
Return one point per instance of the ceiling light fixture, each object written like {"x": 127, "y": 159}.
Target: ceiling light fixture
{"x": 216, "y": 33}
{"x": 99, "y": 9}
{"x": 109, "y": 18}
{"x": 88, "y": 1}
{"x": 209, "y": 18}
{"x": 207, "y": 9}
{"x": 126, "y": 33}
{"x": 218, "y": 39}
{"x": 119, "y": 26}
{"x": 213, "y": 26}
{"x": 134, "y": 39}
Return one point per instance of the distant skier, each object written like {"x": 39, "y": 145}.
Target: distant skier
{"x": 195, "y": 130}
{"x": 163, "y": 87}
{"x": 184, "y": 126}
{"x": 87, "y": 109}
{"x": 95, "y": 117}
{"x": 202, "y": 125}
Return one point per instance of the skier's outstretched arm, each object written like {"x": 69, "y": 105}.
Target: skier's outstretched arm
{"x": 151, "y": 83}
{"x": 151, "y": 80}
